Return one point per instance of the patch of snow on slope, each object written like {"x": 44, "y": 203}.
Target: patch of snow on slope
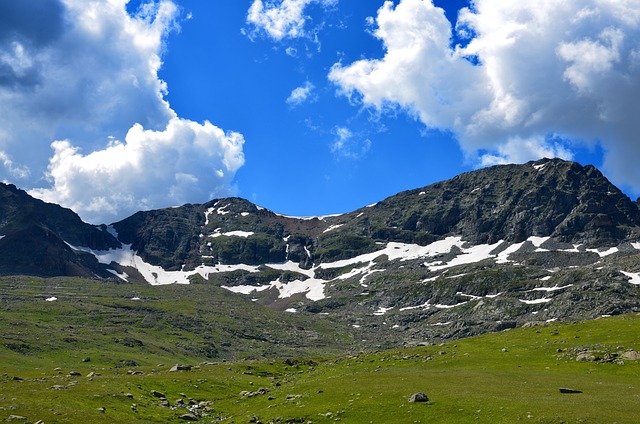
{"x": 381, "y": 311}
{"x": 243, "y": 234}
{"x": 503, "y": 257}
{"x": 552, "y": 289}
{"x": 51, "y": 299}
{"x": 246, "y": 289}
{"x": 441, "y": 306}
{"x": 153, "y": 274}
{"x": 469, "y": 255}
{"x": 426, "y": 305}
{"x": 292, "y": 266}
{"x": 332, "y": 227}
{"x": 634, "y": 277}
{"x": 535, "y": 301}
{"x": 308, "y": 218}
{"x": 540, "y": 167}
{"x": 206, "y": 215}
{"x": 313, "y": 287}
{"x": 223, "y": 210}
{"x": 604, "y": 253}
{"x": 122, "y": 276}
{"x": 537, "y": 241}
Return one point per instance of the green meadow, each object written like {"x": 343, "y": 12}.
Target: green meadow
{"x": 61, "y": 364}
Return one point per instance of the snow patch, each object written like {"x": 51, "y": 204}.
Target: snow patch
{"x": 535, "y": 301}
{"x": 51, "y": 299}
{"x": 332, "y": 227}
{"x": 246, "y": 289}
{"x": 122, "y": 276}
{"x": 634, "y": 277}
{"x": 604, "y": 253}
{"x": 537, "y": 241}
{"x": 540, "y": 167}
{"x": 552, "y": 289}
{"x": 381, "y": 311}
{"x": 426, "y": 305}
{"x": 243, "y": 234}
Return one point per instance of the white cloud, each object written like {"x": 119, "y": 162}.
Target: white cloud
{"x": 282, "y": 19}
{"x": 301, "y": 94}
{"x": 529, "y": 70}
{"x": 517, "y": 150}
{"x": 348, "y": 146}
{"x": 86, "y": 71}
{"x": 186, "y": 162}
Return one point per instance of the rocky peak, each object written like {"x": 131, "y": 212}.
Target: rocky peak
{"x": 549, "y": 197}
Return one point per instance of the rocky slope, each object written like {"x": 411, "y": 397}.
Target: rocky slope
{"x": 491, "y": 249}
{"x": 35, "y": 238}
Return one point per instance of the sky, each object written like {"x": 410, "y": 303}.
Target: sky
{"x": 306, "y": 107}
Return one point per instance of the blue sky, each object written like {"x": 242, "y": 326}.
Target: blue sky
{"x": 306, "y": 107}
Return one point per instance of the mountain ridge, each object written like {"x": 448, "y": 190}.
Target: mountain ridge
{"x": 486, "y": 250}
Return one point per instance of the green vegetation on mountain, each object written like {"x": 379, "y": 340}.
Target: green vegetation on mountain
{"x": 103, "y": 358}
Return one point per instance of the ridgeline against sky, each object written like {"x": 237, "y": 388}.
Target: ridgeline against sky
{"x": 307, "y": 107}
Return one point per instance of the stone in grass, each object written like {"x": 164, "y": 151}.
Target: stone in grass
{"x": 189, "y": 417}
{"x": 418, "y": 397}
{"x": 568, "y": 390}
{"x": 178, "y": 367}
{"x": 157, "y": 394}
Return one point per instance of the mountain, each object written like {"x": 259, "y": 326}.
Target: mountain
{"x": 496, "y": 248}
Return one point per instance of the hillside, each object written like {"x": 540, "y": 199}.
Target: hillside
{"x": 584, "y": 372}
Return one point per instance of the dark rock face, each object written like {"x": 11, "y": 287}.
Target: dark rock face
{"x": 555, "y": 198}
{"x": 36, "y": 236}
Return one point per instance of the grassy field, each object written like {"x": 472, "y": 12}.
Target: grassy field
{"x": 507, "y": 377}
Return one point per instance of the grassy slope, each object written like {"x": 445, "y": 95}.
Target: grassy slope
{"x": 470, "y": 380}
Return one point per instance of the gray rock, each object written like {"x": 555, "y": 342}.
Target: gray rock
{"x": 587, "y": 356}
{"x": 178, "y": 367}
{"x": 157, "y": 394}
{"x": 631, "y": 355}
{"x": 189, "y": 417}
{"x": 418, "y": 397}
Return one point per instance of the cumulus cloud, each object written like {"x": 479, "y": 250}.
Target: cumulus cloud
{"x": 86, "y": 71}
{"x": 531, "y": 79}
{"x": 186, "y": 162}
{"x": 282, "y": 19}
{"x": 301, "y": 94}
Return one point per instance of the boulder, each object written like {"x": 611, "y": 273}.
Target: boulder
{"x": 631, "y": 355}
{"x": 157, "y": 394}
{"x": 418, "y": 397}
{"x": 178, "y": 367}
{"x": 586, "y": 356}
